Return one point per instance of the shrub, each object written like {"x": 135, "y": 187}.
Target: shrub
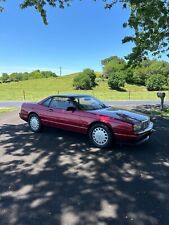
{"x": 82, "y": 82}
{"x": 85, "y": 80}
{"x": 155, "y": 82}
{"x": 5, "y": 77}
{"x": 116, "y": 80}
{"x": 92, "y": 76}
{"x": 113, "y": 64}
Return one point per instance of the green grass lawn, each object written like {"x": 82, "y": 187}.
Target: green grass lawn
{"x": 40, "y": 88}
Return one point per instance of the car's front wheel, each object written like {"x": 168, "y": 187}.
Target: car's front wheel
{"x": 100, "y": 135}
{"x": 34, "y": 123}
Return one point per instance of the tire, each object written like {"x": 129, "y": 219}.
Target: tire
{"x": 100, "y": 135}
{"x": 34, "y": 123}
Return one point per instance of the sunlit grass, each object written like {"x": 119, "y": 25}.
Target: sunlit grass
{"x": 3, "y": 110}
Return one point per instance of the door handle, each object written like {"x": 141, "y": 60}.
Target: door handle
{"x": 50, "y": 110}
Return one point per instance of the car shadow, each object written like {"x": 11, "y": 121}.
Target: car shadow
{"x": 56, "y": 178}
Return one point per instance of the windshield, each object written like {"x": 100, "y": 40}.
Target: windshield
{"x": 89, "y": 103}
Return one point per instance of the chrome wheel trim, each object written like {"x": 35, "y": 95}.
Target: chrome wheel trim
{"x": 100, "y": 136}
{"x": 34, "y": 123}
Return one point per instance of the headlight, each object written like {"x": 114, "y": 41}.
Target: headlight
{"x": 137, "y": 127}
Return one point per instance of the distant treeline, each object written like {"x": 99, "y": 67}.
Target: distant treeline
{"x": 15, "y": 77}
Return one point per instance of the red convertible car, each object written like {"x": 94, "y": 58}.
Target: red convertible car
{"x": 85, "y": 114}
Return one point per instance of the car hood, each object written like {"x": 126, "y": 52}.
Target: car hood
{"x": 121, "y": 114}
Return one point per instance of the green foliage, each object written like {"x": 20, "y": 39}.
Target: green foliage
{"x": 116, "y": 80}
{"x": 5, "y": 77}
{"x": 156, "y": 82}
{"x": 47, "y": 74}
{"x": 140, "y": 75}
{"x": 92, "y": 76}
{"x": 82, "y": 82}
{"x": 37, "y": 74}
{"x": 148, "y": 18}
{"x": 114, "y": 59}
{"x": 147, "y": 69}
{"x": 134, "y": 75}
{"x": 113, "y": 64}
{"x": 129, "y": 75}
{"x": 115, "y": 70}
{"x": 85, "y": 80}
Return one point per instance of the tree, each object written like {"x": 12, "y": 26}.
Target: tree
{"x": 140, "y": 75}
{"x": 129, "y": 75}
{"x": 116, "y": 80}
{"x": 92, "y": 76}
{"x": 149, "y": 20}
{"x": 85, "y": 80}
{"x": 82, "y": 82}
{"x": 37, "y": 74}
{"x": 5, "y": 77}
{"x": 148, "y": 68}
{"x": 46, "y": 74}
{"x": 113, "y": 64}
{"x": 156, "y": 82}
{"x": 114, "y": 59}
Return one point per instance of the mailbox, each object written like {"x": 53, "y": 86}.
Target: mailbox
{"x": 161, "y": 95}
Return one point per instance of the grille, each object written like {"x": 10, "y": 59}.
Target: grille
{"x": 145, "y": 124}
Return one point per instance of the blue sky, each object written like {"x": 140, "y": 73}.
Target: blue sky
{"x": 77, "y": 37}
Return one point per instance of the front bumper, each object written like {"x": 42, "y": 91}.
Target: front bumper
{"x": 136, "y": 138}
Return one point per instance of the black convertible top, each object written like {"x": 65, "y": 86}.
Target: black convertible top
{"x": 70, "y": 95}
{"x": 65, "y": 96}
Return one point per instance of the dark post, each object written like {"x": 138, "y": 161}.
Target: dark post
{"x": 129, "y": 94}
{"x": 24, "y": 95}
{"x": 60, "y": 71}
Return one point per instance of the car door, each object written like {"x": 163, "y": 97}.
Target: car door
{"x": 60, "y": 117}
{"x": 44, "y": 113}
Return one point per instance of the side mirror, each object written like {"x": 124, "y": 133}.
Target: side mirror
{"x": 71, "y": 108}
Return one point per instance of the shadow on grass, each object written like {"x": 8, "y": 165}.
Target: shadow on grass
{"x": 120, "y": 89}
{"x": 152, "y": 110}
{"x": 57, "y": 178}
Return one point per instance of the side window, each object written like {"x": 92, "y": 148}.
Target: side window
{"x": 60, "y": 103}
{"x": 47, "y": 102}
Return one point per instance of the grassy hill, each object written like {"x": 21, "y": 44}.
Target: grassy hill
{"x": 40, "y": 88}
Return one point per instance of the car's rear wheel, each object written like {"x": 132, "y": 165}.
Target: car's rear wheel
{"x": 100, "y": 135}
{"x": 34, "y": 123}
